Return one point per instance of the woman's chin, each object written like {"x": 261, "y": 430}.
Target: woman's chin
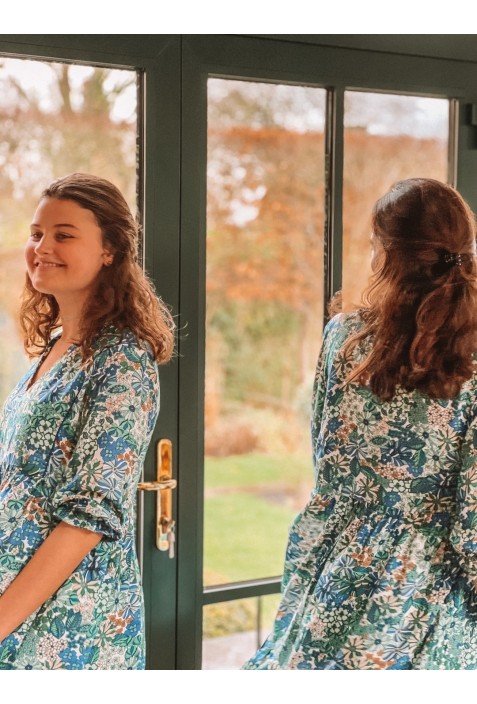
{"x": 42, "y": 287}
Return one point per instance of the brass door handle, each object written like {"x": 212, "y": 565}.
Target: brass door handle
{"x": 163, "y": 485}
{"x": 160, "y": 485}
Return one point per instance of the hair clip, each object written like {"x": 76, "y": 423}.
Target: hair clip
{"x": 453, "y": 258}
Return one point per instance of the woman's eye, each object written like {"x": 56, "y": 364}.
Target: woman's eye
{"x": 59, "y": 236}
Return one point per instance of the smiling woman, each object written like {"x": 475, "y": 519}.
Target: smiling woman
{"x": 73, "y": 436}
{"x": 66, "y": 239}
{"x": 64, "y": 256}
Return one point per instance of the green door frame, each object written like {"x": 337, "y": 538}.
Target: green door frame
{"x": 157, "y": 59}
{"x": 273, "y": 59}
{"x": 174, "y": 71}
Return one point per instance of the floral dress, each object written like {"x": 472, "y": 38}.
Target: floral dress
{"x": 71, "y": 449}
{"x": 381, "y": 565}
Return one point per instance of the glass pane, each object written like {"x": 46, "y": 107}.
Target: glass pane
{"x": 54, "y": 119}
{"x": 264, "y": 318}
{"x": 233, "y": 630}
{"x": 387, "y": 138}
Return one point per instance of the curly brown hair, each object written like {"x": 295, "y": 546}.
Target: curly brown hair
{"x": 122, "y": 294}
{"x": 421, "y": 306}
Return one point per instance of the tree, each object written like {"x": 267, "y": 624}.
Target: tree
{"x": 265, "y": 238}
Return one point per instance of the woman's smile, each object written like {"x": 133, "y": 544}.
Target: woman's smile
{"x": 48, "y": 265}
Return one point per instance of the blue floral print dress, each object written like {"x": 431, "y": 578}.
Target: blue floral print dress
{"x": 71, "y": 449}
{"x": 381, "y": 565}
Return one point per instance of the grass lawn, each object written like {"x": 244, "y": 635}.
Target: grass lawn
{"x": 250, "y": 470}
{"x": 245, "y": 537}
{"x": 247, "y": 514}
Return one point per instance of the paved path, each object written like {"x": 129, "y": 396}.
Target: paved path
{"x": 228, "y": 652}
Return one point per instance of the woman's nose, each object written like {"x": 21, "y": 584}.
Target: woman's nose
{"x": 43, "y": 245}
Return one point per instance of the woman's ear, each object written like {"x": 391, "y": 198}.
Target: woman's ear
{"x": 107, "y": 258}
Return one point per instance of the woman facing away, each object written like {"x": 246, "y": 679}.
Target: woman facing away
{"x": 73, "y": 436}
{"x": 381, "y": 565}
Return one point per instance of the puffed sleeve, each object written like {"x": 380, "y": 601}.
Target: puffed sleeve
{"x": 99, "y": 476}
{"x": 463, "y": 535}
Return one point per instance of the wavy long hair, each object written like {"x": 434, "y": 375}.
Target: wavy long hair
{"x": 122, "y": 293}
{"x": 421, "y": 305}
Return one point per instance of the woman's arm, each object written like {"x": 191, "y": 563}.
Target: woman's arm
{"x": 54, "y": 561}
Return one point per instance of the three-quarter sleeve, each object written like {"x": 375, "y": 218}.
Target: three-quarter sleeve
{"x": 99, "y": 474}
{"x": 463, "y": 535}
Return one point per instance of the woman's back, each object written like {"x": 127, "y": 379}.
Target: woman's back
{"x": 396, "y": 451}
{"x": 379, "y": 566}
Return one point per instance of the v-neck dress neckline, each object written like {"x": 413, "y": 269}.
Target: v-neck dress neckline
{"x": 29, "y": 387}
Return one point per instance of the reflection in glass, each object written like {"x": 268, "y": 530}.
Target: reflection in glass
{"x": 55, "y": 118}
{"x": 387, "y": 138}
{"x": 264, "y": 318}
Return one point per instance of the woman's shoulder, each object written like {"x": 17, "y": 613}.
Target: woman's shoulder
{"x": 343, "y": 324}
{"x": 337, "y": 331}
{"x": 113, "y": 343}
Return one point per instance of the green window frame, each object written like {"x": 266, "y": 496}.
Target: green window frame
{"x": 174, "y": 70}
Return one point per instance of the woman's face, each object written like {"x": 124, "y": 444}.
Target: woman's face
{"x": 65, "y": 251}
